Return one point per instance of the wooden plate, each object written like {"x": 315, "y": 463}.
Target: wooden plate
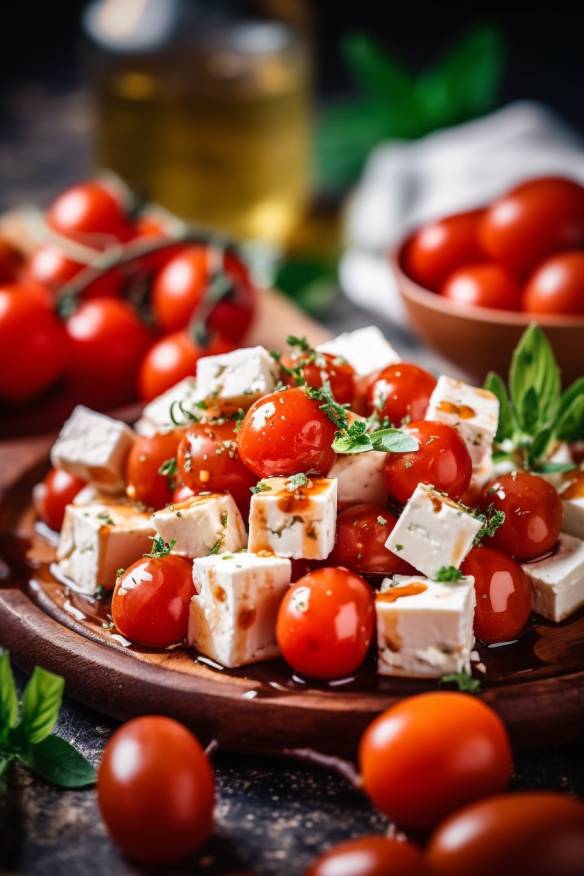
{"x": 536, "y": 685}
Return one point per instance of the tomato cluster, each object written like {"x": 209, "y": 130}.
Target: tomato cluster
{"x": 525, "y": 251}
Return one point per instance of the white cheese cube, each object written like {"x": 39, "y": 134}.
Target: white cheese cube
{"x": 474, "y": 413}
{"x": 94, "y": 447}
{"x": 574, "y": 517}
{"x": 432, "y": 531}
{"x": 365, "y": 349}
{"x": 236, "y": 379}
{"x": 204, "y": 523}
{"x": 156, "y": 415}
{"x": 360, "y": 478}
{"x": 558, "y": 580}
{"x": 424, "y": 628}
{"x": 294, "y": 521}
{"x": 98, "y": 539}
{"x": 233, "y": 614}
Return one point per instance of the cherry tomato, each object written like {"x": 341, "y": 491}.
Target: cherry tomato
{"x": 532, "y": 221}
{"x": 150, "y": 605}
{"x": 442, "y": 460}
{"x": 557, "y": 286}
{"x": 439, "y": 248}
{"x": 325, "y": 623}
{"x": 401, "y": 392}
{"x": 286, "y": 432}
{"x": 370, "y": 856}
{"x": 58, "y": 490}
{"x": 208, "y": 460}
{"x": 151, "y": 227}
{"x": 33, "y": 343}
{"x": 503, "y": 593}
{"x": 10, "y": 261}
{"x": 171, "y": 359}
{"x": 533, "y": 514}
{"x": 50, "y": 267}
{"x": 145, "y": 484}
{"x": 107, "y": 344}
{"x": 531, "y": 832}
{"x": 91, "y": 214}
{"x": 362, "y": 531}
{"x": 430, "y": 754}
{"x": 320, "y": 367}
{"x": 487, "y": 285}
{"x": 155, "y": 789}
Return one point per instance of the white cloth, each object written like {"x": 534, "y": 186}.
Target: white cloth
{"x": 407, "y": 183}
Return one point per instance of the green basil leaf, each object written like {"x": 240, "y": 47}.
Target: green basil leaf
{"x": 8, "y": 696}
{"x": 393, "y": 441}
{"x": 40, "y": 705}
{"x": 530, "y": 412}
{"x": 534, "y": 370}
{"x": 56, "y": 761}
{"x": 570, "y": 424}
{"x": 347, "y": 443}
{"x": 575, "y": 390}
{"x": 495, "y": 384}
{"x": 540, "y": 444}
{"x": 553, "y": 467}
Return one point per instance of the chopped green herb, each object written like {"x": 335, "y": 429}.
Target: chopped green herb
{"x": 169, "y": 470}
{"x": 120, "y": 572}
{"x": 297, "y": 481}
{"x": 160, "y": 548}
{"x": 399, "y": 547}
{"x": 381, "y": 520}
{"x": 224, "y": 518}
{"x": 336, "y": 413}
{"x": 106, "y": 517}
{"x": 301, "y": 343}
{"x": 448, "y": 574}
{"x": 260, "y": 487}
{"x": 201, "y": 404}
{"x": 491, "y": 520}
{"x": 463, "y": 681}
{"x": 216, "y": 547}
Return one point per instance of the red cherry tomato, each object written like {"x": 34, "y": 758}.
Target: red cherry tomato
{"x": 286, "y": 432}
{"x": 150, "y": 605}
{"x": 533, "y": 514}
{"x": 401, "y": 393}
{"x": 370, "y": 856}
{"x": 181, "y": 494}
{"x": 33, "y": 343}
{"x": 107, "y": 344}
{"x": 503, "y": 594}
{"x": 442, "y": 460}
{"x": 557, "y": 286}
{"x": 362, "y": 531}
{"x": 532, "y": 221}
{"x": 487, "y": 285}
{"x": 171, "y": 359}
{"x": 91, "y": 214}
{"x": 324, "y": 366}
{"x": 441, "y": 247}
{"x": 533, "y": 832}
{"x": 430, "y": 754}
{"x": 145, "y": 483}
{"x": 326, "y": 622}
{"x": 155, "y": 790}
{"x": 50, "y": 267}
{"x": 151, "y": 227}
{"x": 10, "y": 261}
{"x": 58, "y": 490}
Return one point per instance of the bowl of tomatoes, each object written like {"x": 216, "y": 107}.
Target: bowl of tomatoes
{"x": 471, "y": 282}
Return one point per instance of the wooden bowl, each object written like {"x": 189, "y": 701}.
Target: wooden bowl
{"x": 482, "y": 339}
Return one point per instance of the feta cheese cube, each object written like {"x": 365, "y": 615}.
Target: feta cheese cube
{"x": 365, "y": 349}
{"x": 209, "y": 521}
{"x": 574, "y": 517}
{"x": 424, "y": 627}
{"x": 558, "y": 580}
{"x": 94, "y": 447}
{"x": 236, "y": 379}
{"x": 293, "y": 519}
{"x": 432, "y": 531}
{"x": 360, "y": 478}
{"x": 156, "y": 415}
{"x": 474, "y": 413}
{"x": 98, "y": 539}
{"x": 233, "y": 613}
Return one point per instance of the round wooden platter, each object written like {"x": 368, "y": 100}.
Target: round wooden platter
{"x": 536, "y": 684}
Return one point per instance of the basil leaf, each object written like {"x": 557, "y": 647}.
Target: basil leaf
{"x": 377, "y": 74}
{"x": 495, "y": 384}
{"x": 570, "y": 424}
{"x": 40, "y": 705}
{"x": 393, "y": 441}
{"x": 56, "y": 761}
{"x": 346, "y": 443}
{"x": 8, "y": 696}
{"x": 529, "y": 412}
{"x": 575, "y": 390}
{"x": 552, "y": 467}
{"x": 534, "y": 370}
{"x": 540, "y": 444}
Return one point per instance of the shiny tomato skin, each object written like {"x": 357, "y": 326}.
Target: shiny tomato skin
{"x": 50, "y": 267}
{"x": 171, "y": 359}
{"x": 441, "y": 247}
{"x": 144, "y": 482}
{"x": 284, "y": 433}
{"x": 181, "y": 494}
{"x": 150, "y": 605}
{"x": 533, "y": 221}
{"x": 557, "y": 286}
{"x": 539, "y": 833}
{"x": 11, "y": 260}
{"x": 370, "y": 856}
{"x": 441, "y": 460}
{"x": 90, "y": 214}
{"x": 533, "y": 514}
{"x": 155, "y": 789}
{"x": 503, "y": 593}
{"x": 338, "y": 372}
{"x": 56, "y": 491}
{"x": 432, "y": 753}
{"x": 400, "y": 392}
{"x": 484, "y": 285}
{"x": 362, "y": 531}
{"x": 325, "y": 623}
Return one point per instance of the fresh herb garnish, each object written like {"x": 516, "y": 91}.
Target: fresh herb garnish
{"x": 356, "y": 439}
{"x": 336, "y": 413}
{"x": 260, "y": 487}
{"x": 106, "y": 517}
{"x": 491, "y": 519}
{"x": 297, "y": 481}
{"x": 301, "y": 343}
{"x": 169, "y": 470}
{"x": 463, "y": 681}
{"x": 448, "y": 574}
{"x": 160, "y": 548}
{"x": 381, "y": 520}
{"x": 216, "y": 547}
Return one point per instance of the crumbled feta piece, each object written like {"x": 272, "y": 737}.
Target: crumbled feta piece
{"x": 233, "y": 614}
{"x": 424, "y": 628}
{"x": 432, "y": 531}
{"x": 360, "y": 478}
{"x": 98, "y": 539}
{"x": 94, "y": 447}
{"x": 209, "y": 522}
{"x": 238, "y": 378}
{"x": 292, "y": 519}
{"x": 156, "y": 415}
{"x": 365, "y": 349}
{"x": 558, "y": 579}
